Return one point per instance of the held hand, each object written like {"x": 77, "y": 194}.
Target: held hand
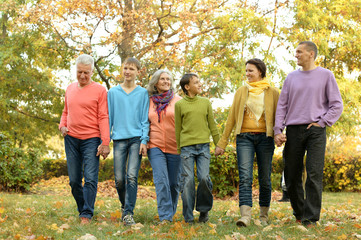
{"x": 280, "y": 139}
{"x": 313, "y": 124}
{"x": 103, "y": 150}
{"x": 218, "y": 151}
{"x": 64, "y": 131}
{"x": 143, "y": 149}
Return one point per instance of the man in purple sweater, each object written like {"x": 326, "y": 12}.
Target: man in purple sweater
{"x": 309, "y": 101}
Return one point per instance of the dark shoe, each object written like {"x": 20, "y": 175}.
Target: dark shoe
{"x": 189, "y": 221}
{"x": 309, "y": 224}
{"x": 285, "y": 197}
{"x": 203, "y": 217}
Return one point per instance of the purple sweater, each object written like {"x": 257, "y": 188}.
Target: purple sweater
{"x": 307, "y": 97}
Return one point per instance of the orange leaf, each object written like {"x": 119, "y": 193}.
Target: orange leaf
{"x": 58, "y": 205}
{"x": 357, "y": 225}
{"x": 115, "y": 215}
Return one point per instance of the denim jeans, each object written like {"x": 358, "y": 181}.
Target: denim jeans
{"x": 299, "y": 140}
{"x": 126, "y": 168}
{"x": 166, "y": 168}
{"x": 198, "y": 154}
{"x": 247, "y": 145}
{"x": 81, "y": 160}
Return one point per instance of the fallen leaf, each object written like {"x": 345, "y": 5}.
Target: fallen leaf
{"x": 65, "y": 226}
{"x": 58, "y": 205}
{"x": 357, "y": 225}
{"x": 302, "y": 228}
{"x": 268, "y": 228}
{"x": 257, "y": 222}
{"x": 137, "y": 226}
{"x": 212, "y": 225}
{"x": 114, "y": 216}
{"x": 358, "y": 236}
{"x": 87, "y": 237}
{"x": 342, "y": 237}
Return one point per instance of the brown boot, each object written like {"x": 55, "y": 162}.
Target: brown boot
{"x": 245, "y": 216}
{"x": 263, "y": 215}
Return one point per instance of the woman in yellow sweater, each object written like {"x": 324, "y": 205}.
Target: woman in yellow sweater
{"x": 252, "y": 114}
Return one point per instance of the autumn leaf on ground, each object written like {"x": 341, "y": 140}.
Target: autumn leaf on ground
{"x": 330, "y": 227}
{"x": 358, "y": 236}
{"x": 65, "y": 226}
{"x": 137, "y": 226}
{"x": 342, "y": 237}
{"x": 58, "y": 205}
{"x": 87, "y": 237}
{"x": 268, "y": 228}
{"x": 357, "y": 225}
{"x": 114, "y": 216}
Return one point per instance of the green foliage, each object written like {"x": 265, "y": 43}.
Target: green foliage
{"x": 106, "y": 169}
{"x": 31, "y": 103}
{"x": 53, "y": 168}
{"x": 224, "y": 173}
{"x": 19, "y": 169}
{"x": 342, "y": 170}
{"x": 145, "y": 173}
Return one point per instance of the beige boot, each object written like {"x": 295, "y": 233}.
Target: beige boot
{"x": 245, "y": 216}
{"x": 263, "y": 215}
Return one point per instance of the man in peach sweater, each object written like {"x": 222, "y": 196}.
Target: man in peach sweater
{"x": 85, "y": 127}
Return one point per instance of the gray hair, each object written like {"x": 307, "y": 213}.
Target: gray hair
{"x": 154, "y": 80}
{"x": 86, "y": 60}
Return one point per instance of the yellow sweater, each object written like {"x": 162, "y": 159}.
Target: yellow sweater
{"x": 235, "y": 116}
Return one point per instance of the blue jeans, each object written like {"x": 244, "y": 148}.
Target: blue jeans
{"x": 299, "y": 140}
{"x": 247, "y": 145}
{"x": 126, "y": 168}
{"x": 200, "y": 155}
{"x": 81, "y": 159}
{"x": 166, "y": 168}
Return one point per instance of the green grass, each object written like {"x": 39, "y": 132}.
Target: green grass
{"x": 43, "y": 217}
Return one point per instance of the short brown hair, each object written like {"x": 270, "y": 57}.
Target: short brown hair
{"x": 260, "y": 65}
{"x": 134, "y": 61}
{"x": 311, "y": 46}
{"x": 185, "y": 80}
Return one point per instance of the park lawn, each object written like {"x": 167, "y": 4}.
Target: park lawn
{"x": 34, "y": 216}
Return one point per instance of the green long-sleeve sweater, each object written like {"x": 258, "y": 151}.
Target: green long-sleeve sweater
{"x": 194, "y": 122}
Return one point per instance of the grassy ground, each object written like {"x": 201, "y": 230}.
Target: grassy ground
{"x": 54, "y": 216}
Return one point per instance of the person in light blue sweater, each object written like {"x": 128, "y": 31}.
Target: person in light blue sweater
{"x": 128, "y": 106}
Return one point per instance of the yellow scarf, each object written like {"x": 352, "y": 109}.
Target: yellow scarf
{"x": 257, "y": 87}
{"x": 255, "y": 101}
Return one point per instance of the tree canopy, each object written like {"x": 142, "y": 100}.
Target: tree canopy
{"x": 40, "y": 39}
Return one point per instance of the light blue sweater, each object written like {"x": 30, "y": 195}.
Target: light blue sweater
{"x": 128, "y": 113}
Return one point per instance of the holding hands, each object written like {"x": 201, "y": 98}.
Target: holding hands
{"x": 280, "y": 139}
{"x": 218, "y": 151}
{"x": 103, "y": 151}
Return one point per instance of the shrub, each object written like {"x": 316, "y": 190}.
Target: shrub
{"x": 224, "y": 173}
{"x": 342, "y": 173}
{"x": 19, "y": 169}
{"x": 53, "y": 168}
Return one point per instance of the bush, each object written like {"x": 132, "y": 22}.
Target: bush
{"x": 342, "y": 173}
{"x": 19, "y": 169}
{"x": 224, "y": 173}
{"x": 53, "y": 168}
